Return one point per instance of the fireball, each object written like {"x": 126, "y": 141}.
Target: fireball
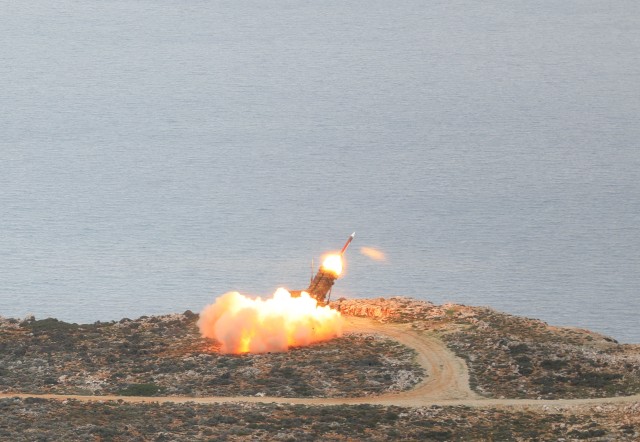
{"x": 243, "y": 325}
{"x": 333, "y": 263}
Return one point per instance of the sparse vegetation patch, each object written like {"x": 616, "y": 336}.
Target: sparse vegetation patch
{"x": 165, "y": 355}
{"x": 514, "y": 357}
{"x": 39, "y": 419}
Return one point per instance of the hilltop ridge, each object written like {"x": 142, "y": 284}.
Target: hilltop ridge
{"x": 516, "y": 357}
{"x": 407, "y": 369}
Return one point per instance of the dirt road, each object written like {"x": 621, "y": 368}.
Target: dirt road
{"x": 447, "y": 382}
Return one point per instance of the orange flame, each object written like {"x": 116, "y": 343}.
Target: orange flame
{"x": 245, "y": 325}
{"x": 333, "y": 263}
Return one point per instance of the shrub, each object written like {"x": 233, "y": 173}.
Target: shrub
{"x": 50, "y": 324}
{"x": 518, "y": 349}
{"x": 594, "y": 379}
{"x": 140, "y": 390}
{"x": 553, "y": 364}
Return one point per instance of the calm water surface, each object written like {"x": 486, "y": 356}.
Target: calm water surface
{"x": 156, "y": 154}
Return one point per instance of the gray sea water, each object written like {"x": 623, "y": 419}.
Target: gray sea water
{"x": 155, "y": 154}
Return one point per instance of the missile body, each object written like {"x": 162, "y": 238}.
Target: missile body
{"x": 344, "y": 248}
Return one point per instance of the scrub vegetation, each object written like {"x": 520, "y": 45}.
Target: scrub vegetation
{"x": 514, "y": 357}
{"x": 40, "y": 419}
{"x": 165, "y": 355}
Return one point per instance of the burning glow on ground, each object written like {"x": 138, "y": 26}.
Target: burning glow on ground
{"x": 372, "y": 253}
{"x": 333, "y": 263}
{"x": 245, "y": 325}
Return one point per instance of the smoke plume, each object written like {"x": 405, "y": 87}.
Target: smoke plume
{"x": 244, "y": 325}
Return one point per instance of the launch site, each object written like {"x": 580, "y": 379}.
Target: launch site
{"x": 299, "y": 366}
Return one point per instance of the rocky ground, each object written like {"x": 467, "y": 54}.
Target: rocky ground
{"x": 46, "y": 420}
{"x": 166, "y": 356}
{"x": 507, "y": 356}
{"x": 515, "y": 357}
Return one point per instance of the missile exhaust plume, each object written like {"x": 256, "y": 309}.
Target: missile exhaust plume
{"x": 243, "y": 325}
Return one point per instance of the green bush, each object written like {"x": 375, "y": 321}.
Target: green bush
{"x": 140, "y": 390}
{"x": 553, "y": 364}
{"x": 50, "y": 324}
{"x": 594, "y": 379}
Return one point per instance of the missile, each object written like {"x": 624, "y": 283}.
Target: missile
{"x": 344, "y": 248}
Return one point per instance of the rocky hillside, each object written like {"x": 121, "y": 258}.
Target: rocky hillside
{"x": 507, "y": 356}
{"x": 515, "y": 357}
{"x": 42, "y": 420}
{"x": 165, "y": 355}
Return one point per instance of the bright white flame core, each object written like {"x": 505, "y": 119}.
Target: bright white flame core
{"x": 333, "y": 263}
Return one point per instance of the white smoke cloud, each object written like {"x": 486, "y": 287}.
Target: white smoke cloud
{"x": 242, "y": 324}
